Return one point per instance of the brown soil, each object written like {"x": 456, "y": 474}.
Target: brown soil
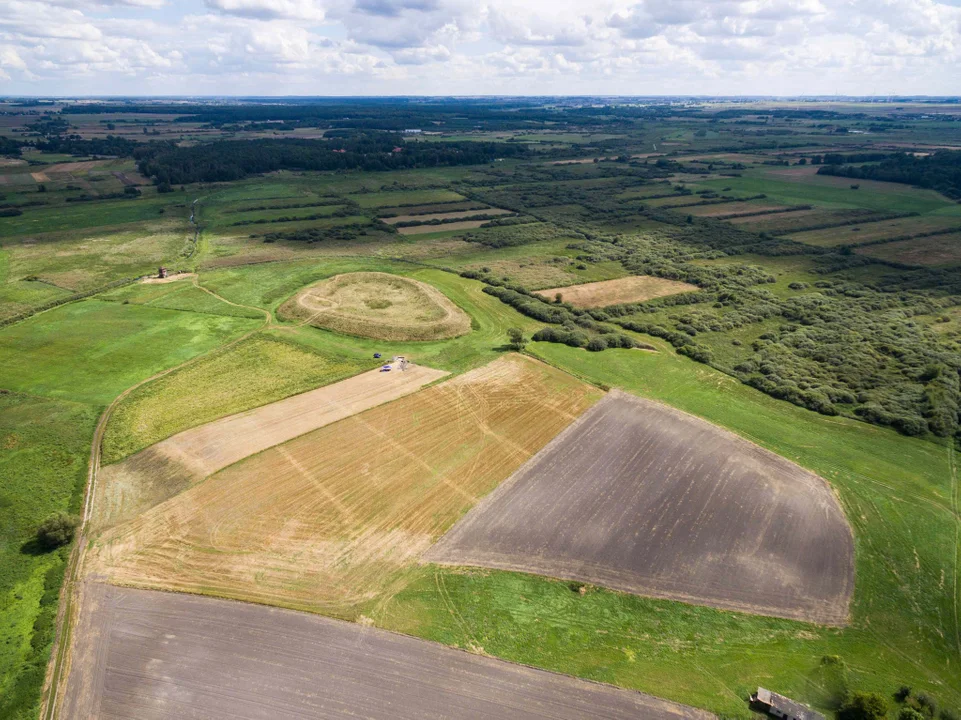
{"x": 162, "y": 470}
{"x": 634, "y": 288}
{"x": 642, "y": 498}
{"x": 143, "y": 654}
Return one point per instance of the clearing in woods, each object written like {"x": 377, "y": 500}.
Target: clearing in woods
{"x": 635, "y": 288}
{"x": 380, "y": 306}
{"x": 149, "y": 654}
{"x": 640, "y": 497}
{"x": 162, "y": 470}
{"x": 335, "y": 520}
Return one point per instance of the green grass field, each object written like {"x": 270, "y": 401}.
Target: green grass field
{"x": 832, "y": 192}
{"x": 73, "y": 216}
{"x": 90, "y": 351}
{"x": 44, "y": 446}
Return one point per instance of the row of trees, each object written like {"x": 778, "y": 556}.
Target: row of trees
{"x": 228, "y": 160}
{"x": 940, "y": 171}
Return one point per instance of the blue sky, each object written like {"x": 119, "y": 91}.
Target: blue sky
{"x": 469, "y": 47}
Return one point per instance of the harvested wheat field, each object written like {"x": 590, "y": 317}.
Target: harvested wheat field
{"x": 642, "y": 498}
{"x": 144, "y": 654}
{"x": 162, "y": 470}
{"x": 335, "y": 520}
{"x": 378, "y": 305}
{"x": 634, "y": 288}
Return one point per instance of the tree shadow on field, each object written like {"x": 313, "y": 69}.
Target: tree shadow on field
{"x": 34, "y": 548}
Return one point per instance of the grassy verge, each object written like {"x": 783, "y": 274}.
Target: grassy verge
{"x": 44, "y": 445}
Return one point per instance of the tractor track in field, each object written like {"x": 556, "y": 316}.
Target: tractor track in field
{"x": 59, "y": 657}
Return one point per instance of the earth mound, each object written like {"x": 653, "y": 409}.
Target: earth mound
{"x": 380, "y": 306}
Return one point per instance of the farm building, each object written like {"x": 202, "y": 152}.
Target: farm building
{"x": 781, "y": 707}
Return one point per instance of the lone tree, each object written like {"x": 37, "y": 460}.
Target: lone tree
{"x": 864, "y": 706}
{"x": 558, "y": 298}
{"x": 57, "y": 530}
{"x": 516, "y": 339}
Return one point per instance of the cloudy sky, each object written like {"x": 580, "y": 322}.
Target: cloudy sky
{"x": 472, "y": 47}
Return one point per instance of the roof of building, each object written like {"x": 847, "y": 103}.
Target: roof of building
{"x": 787, "y": 705}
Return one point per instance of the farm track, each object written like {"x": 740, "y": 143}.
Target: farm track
{"x": 60, "y": 652}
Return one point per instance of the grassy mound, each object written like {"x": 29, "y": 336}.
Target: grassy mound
{"x": 378, "y": 305}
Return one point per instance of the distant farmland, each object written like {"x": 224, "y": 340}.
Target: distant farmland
{"x": 639, "y": 497}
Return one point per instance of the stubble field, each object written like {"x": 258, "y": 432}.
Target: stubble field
{"x": 335, "y": 520}
{"x": 639, "y": 497}
{"x": 634, "y": 288}
{"x": 162, "y": 470}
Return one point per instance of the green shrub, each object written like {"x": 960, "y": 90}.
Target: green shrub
{"x": 57, "y": 530}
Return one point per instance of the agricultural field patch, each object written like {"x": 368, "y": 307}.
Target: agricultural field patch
{"x": 334, "y": 520}
{"x": 54, "y": 354}
{"x": 426, "y": 218}
{"x": 83, "y": 260}
{"x": 162, "y": 470}
{"x": 631, "y": 289}
{"x": 445, "y": 227}
{"x": 732, "y": 208}
{"x": 399, "y": 198}
{"x": 880, "y": 230}
{"x": 446, "y": 207}
{"x": 639, "y": 497}
{"x": 147, "y": 654}
{"x": 932, "y": 251}
{"x": 380, "y": 306}
{"x": 798, "y": 220}
{"x": 255, "y": 372}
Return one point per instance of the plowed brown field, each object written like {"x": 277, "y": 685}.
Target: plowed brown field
{"x": 149, "y": 477}
{"x": 151, "y": 655}
{"x": 640, "y": 497}
{"x": 635, "y": 288}
{"x": 336, "y": 519}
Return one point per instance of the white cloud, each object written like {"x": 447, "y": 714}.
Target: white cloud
{"x": 478, "y": 46}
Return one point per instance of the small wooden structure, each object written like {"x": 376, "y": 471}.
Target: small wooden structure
{"x": 781, "y": 707}
{"x": 162, "y": 273}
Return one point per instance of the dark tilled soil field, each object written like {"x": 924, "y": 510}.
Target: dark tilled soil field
{"x": 145, "y": 654}
{"x": 639, "y": 497}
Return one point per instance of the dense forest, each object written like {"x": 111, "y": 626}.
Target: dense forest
{"x": 235, "y": 159}
{"x": 940, "y": 171}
